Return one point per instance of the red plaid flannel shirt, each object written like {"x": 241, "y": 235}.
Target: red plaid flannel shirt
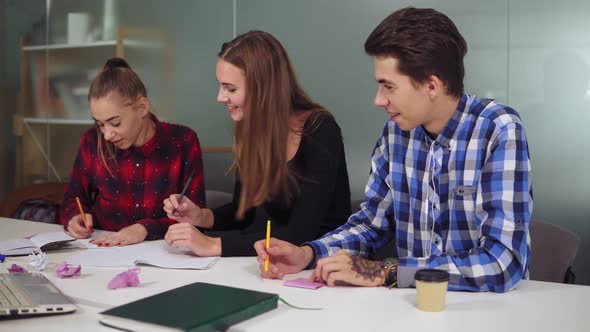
{"x": 142, "y": 178}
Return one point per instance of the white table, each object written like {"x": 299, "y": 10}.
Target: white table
{"x": 533, "y": 306}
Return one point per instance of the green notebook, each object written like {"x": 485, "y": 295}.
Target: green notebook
{"x": 195, "y": 307}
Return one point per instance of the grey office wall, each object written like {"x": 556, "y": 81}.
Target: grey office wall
{"x": 549, "y": 83}
{"x": 16, "y": 18}
{"x": 325, "y": 41}
{"x": 532, "y": 55}
{"x": 196, "y": 31}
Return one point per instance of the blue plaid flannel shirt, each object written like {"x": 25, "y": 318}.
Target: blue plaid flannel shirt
{"x": 461, "y": 203}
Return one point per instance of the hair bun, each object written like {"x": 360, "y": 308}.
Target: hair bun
{"x": 116, "y": 63}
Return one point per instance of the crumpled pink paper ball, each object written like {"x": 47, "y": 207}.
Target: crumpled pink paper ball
{"x": 15, "y": 268}
{"x": 125, "y": 279}
{"x": 63, "y": 270}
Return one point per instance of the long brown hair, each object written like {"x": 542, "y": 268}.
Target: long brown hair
{"x": 273, "y": 95}
{"x": 425, "y": 42}
{"x": 116, "y": 76}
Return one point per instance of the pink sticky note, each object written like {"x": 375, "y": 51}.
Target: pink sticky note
{"x": 303, "y": 283}
{"x": 125, "y": 279}
{"x": 64, "y": 270}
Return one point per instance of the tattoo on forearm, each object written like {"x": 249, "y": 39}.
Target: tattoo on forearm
{"x": 366, "y": 268}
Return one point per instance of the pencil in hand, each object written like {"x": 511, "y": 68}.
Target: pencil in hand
{"x": 82, "y": 212}
{"x": 190, "y": 178}
{"x": 267, "y": 245}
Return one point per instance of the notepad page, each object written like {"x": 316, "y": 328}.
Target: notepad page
{"x": 36, "y": 241}
{"x": 85, "y": 243}
{"x": 156, "y": 253}
{"x": 16, "y": 244}
{"x": 44, "y": 238}
{"x": 103, "y": 257}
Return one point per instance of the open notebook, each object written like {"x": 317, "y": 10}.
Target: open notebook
{"x": 156, "y": 253}
{"x": 47, "y": 241}
{"x": 25, "y": 246}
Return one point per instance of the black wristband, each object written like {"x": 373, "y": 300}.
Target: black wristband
{"x": 313, "y": 259}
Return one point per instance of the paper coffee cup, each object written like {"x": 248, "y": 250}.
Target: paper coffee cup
{"x": 431, "y": 289}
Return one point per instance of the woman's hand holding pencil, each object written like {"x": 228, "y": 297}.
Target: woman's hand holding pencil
{"x": 187, "y": 212}
{"x": 183, "y": 210}
{"x": 80, "y": 226}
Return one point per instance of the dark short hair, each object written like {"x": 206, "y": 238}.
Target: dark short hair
{"x": 425, "y": 42}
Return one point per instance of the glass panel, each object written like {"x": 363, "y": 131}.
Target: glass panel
{"x": 172, "y": 48}
{"x": 532, "y": 55}
{"x": 76, "y": 51}
{"x": 194, "y": 32}
{"x": 21, "y": 154}
{"x": 550, "y": 86}
{"x": 330, "y": 63}
{"x": 329, "y": 58}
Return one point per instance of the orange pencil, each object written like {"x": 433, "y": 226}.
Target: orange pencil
{"x": 82, "y": 212}
{"x": 267, "y": 245}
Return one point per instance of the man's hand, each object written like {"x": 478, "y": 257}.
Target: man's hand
{"x": 343, "y": 268}
{"x": 285, "y": 258}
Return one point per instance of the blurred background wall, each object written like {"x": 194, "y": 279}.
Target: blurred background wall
{"x": 533, "y": 55}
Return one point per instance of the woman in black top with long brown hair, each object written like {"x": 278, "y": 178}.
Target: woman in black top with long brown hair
{"x": 288, "y": 158}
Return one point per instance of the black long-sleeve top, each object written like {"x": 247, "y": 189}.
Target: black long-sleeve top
{"x": 323, "y": 202}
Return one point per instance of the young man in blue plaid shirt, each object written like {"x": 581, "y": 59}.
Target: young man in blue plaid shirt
{"x": 450, "y": 175}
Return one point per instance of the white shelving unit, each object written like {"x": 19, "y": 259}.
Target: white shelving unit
{"x": 70, "y": 46}
{"x": 30, "y": 123}
{"x": 38, "y": 113}
{"x": 101, "y": 43}
{"x": 57, "y": 121}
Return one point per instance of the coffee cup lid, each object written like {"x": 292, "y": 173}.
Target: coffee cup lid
{"x": 431, "y": 275}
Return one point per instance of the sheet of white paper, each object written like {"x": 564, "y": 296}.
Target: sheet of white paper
{"x": 44, "y": 238}
{"x": 15, "y": 244}
{"x": 155, "y": 253}
{"x": 158, "y": 253}
{"x": 25, "y": 246}
{"x": 103, "y": 257}
{"x": 85, "y": 243}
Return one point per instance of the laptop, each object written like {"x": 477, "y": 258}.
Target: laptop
{"x": 31, "y": 294}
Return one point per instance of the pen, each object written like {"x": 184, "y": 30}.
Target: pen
{"x": 267, "y": 245}
{"x": 82, "y": 212}
{"x": 190, "y": 178}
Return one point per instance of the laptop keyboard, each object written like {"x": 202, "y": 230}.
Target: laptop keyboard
{"x": 11, "y": 296}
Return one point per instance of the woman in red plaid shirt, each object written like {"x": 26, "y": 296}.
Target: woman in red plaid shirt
{"x": 128, "y": 164}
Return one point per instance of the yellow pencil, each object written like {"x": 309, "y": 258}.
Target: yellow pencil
{"x": 267, "y": 245}
{"x": 82, "y": 212}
